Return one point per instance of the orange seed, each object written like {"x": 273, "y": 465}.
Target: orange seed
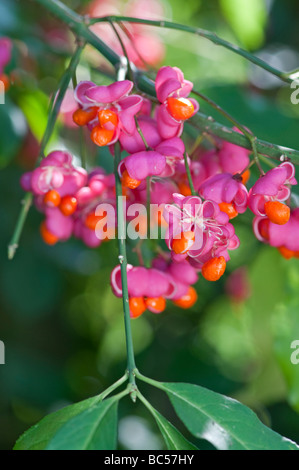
{"x": 180, "y": 108}
{"x": 188, "y": 300}
{"x": 213, "y": 269}
{"x": 277, "y": 212}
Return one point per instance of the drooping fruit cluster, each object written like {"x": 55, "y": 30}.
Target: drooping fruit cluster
{"x": 197, "y": 218}
{"x": 69, "y": 197}
{"x": 149, "y": 288}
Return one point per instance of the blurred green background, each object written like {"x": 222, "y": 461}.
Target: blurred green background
{"x": 61, "y": 325}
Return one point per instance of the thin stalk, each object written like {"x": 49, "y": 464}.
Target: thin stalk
{"x": 286, "y": 77}
{"x": 14, "y": 242}
{"x": 247, "y": 132}
{"x": 124, "y": 280}
{"x": 196, "y": 145}
{"x": 147, "y": 404}
{"x": 147, "y": 147}
{"x": 82, "y": 148}
{"x": 253, "y": 140}
{"x": 59, "y": 96}
{"x": 138, "y": 250}
{"x": 81, "y": 131}
{"x": 222, "y": 111}
{"x": 55, "y": 108}
{"x": 79, "y": 25}
{"x": 113, "y": 387}
{"x": 189, "y": 175}
{"x": 130, "y": 71}
{"x": 267, "y": 161}
{"x": 209, "y": 125}
{"x": 131, "y": 39}
{"x": 117, "y": 397}
{"x": 152, "y": 382}
{"x": 144, "y": 401}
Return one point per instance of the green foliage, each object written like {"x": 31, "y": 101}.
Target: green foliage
{"x": 92, "y": 424}
{"x": 40, "y": 435}
{"x": 224, "y": 422}
{"x": 248, "y": 20}
{"x": 35, "y": 107}
{"x": 174, "y": 440}
{"x": 93, "y": 429}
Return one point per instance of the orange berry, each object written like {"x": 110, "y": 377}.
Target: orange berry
{"x": 52, "y": 198}
{"x": 213, "y": 269}
{"x": 184, "y": 243}
{"x": 6, "y": 82}
{"x": 188, "y": 300}
{"x": 185, "y": 189}
{"x": 155, "y": 304}
{"x": 92, "y": 220}
{"x": 108, "y": 119}
{"x": 229, "y": 209}
{"x": 101, "y": 136}
{"x": 137, "y": 306}
{"x": 47, "y": 236}
{"x": 286, "y": 253}
{"x": 277, "y": 212}
{"x": 129, "y": 182}
{"x": 245, "y": 176}
{"x": 159, "y": 219}
{"x": 180, "y": 108}
{"x": 68, "y": 205}
{"x": 81, "y": 117}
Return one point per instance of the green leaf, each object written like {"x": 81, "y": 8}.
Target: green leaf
{"x": 38, "y": 436}
{"x": 35, "y": 107}
{"x": 174, "y": 440}
{"x": 93, "y": 429}
{"x": 224, "y": 422}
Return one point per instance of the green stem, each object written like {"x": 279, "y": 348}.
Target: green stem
{"x": 247, "y": 132}
{"x": 223, "y": 112}
{"x": 14, "y": 242}
{"x": 121, "y": 235}
{"x": 113, "y": 387}
{"x": 207, "y": 124}
{"x": 189, "y": 175}
{"x": 59, "y": 96}
{"x": 117, "y": 397}
{"x": 147, "y": 147}
{"x": 146, "y": 66}
{"x": 147, "y": 404}
{"x": 152, "y": 382}
{"x": 286, "y": 77}
{"x": 130, "y": 71}
{"x": 79, "y": 26}
{"x": 81, "y": 131}
{"x": 267, "y": 161}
